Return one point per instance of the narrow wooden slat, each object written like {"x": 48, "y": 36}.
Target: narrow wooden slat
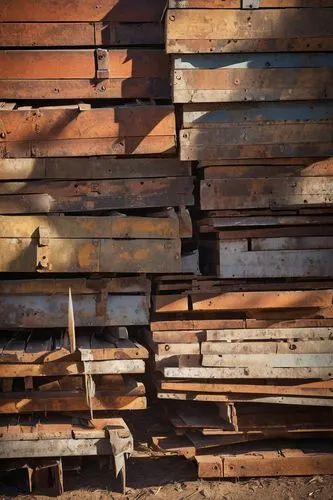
{"x": 269, "y": 360}
{"x": 307, "y": 346}
{"x": 305, "y": 333}
{"x": 247, "y": 373}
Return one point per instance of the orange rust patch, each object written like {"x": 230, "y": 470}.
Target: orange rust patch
{"x": 87, "y": 255}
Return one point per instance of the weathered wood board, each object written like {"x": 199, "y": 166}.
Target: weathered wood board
{"x": 91, "y": 168}
{"x": 227, "y": 30}
{"x": 248, "y": 372}
{"x": 89, "y": 244}
{"x": 266, "y": 192}
{"x": 251, "y": 77}
{"x": 299, "y": 257}
{"x": 43, "y": 303}
{"x": 252, "y": 130}
{"x": 78, "y": 11}
{"x": 237, "y": 4}
{"x": 82, "y": 196}
{"x": 76, "y": 74}
{"x": 80, "y": 131}
{"x": 87, "y": 34}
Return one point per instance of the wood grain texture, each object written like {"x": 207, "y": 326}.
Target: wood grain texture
{"x": 227, "y": 30}
{"x": 45, "y": 132}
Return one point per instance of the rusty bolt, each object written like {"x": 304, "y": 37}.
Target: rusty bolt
{"x": 172, "y": 18}
{"x": 236, "y": 82}
{"x": 167, "y": 347}
{"x": 3, "y": 135}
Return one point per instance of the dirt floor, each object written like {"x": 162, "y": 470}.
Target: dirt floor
{"x": 150, "y": 475}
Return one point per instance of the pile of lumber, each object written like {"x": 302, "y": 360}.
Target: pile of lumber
{"x": 245, "y": 351}
{"x": 93, "y": 193}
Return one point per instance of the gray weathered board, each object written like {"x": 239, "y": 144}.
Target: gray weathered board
{"x": 43, "y": 303}
{"x": 293, "y": 257}
{"x": 251, "y": 77}
{"x": 253, "y": 130}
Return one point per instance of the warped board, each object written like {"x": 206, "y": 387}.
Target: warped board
{"x": 287, "y": 257}
{"x": 89, "y": 244}
{"x": 87, "y": 34}
{"x": 252, "y": 130}
{"x": 84, "y": 131}
{"x": 81, "y": 196}
{"x": 275, "y": 459}
{"x": 251, "y": 77}
{"x": 248, "y": 398}
{"x": 91, "y": 168}
{"x": 219, "y": 30}
{"x": 76, "y": 74}
{"x": 44, "y": 303}
{"x": 78, "y": 11}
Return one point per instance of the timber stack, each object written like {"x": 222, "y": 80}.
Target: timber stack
{"x": 248, "y": 345}
{"x": 93, "y": 201}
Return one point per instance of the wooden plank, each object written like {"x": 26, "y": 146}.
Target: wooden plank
{"x": 250, "y": 77}
{"x": 193, "y": 324}
{"x": 237, "y": 194}
{"x": 92, "y": 168}
{"x": 262, "y": 300}
{"x": 75, "y": 11}
{"x": 239, "y": 398}
{"x": 274, "y": 264}
{"x": 77, "y": 196}
{"x": 71, "y": 74}
{"x": 79, "y": 286}
{"x": 117, "y": 227}
{"x": 306, "y": 346}
{"x": 72, "y": 368}
{"x": 98, "y": 131}
{"x": 58, "y": 34}
{"x": 177, "y": 349}
{"x": 236, "y": 4}
{"x": 269, "y": 360}
{"x": 304, "y": 334}
{"x": 77, "y": 402}
{"x": 314, "y": 389}
{"x": 222, "y": 30}
{"x": 43, "y": 311}
{"x": 249, "y": 372}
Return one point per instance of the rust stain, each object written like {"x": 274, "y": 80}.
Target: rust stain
{"x": 87, "y": 255}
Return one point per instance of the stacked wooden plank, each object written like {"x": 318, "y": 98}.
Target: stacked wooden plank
{"x": 91, "y": 191}
{"x": 251, "y": 80}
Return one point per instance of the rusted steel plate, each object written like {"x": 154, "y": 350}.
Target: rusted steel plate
{"x": 73, "y": 74}
{"x": 78, "y": 11}
{"x": 248, "y": 130}
{"x": 204, "y": 31}
{"x": 43, "y": 311}
{"x": 71, "y": 131}
{"x": 92, "y": 168}
{"x": 251, "y": 77}
{"x": 81, "y": 196}
{"x": 80, "y": 34}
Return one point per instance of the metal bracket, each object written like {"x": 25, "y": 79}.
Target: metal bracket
{"x": 250, "y": 4}
{"x": 43, "y": 250}
{"x": 102, "y": 64}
